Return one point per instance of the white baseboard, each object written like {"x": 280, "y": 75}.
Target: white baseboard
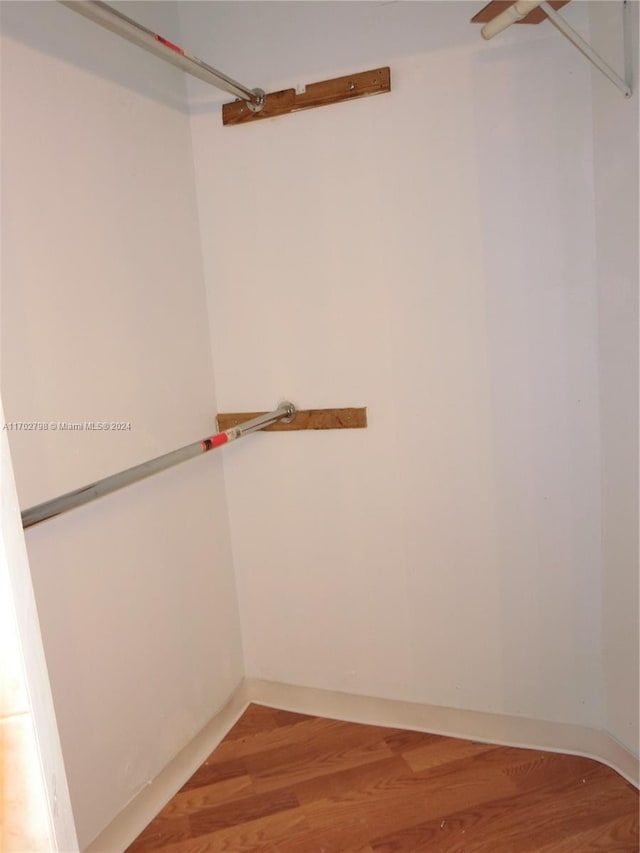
{"x": 471, "y": 725}
{"x": 435, "y": 719}
{"x": 140, "y": 811}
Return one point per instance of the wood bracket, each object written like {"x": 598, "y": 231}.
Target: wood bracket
{"x": 304, "y": 419}
{"x": 491, "y": 10}
{"x": 373, "y": 82}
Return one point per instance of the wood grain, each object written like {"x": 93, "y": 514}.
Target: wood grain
{"x": 321, "y": 94}
{"x": 489, "y": 12}
{"x": 291, "y": 783}
{"x": 304, "y": 419}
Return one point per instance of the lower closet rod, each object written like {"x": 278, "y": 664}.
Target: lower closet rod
{"x": 48, "y": 509}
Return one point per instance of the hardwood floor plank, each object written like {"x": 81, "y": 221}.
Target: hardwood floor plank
{"x": 329, "y": 841}
{"x": 378, "y": 776}
{"x": 206, "y": 796}
{"x": 161, "y": 832}
{"x": 616, "y": 836}
{"x": 317, "y": 767}
{"x": 537, "y": 768}
{"x": 340, "y": 748}
{"x": 241, "y": 811}
{"x": 257, "y": 718}
{"x": 257, "y": 836}
{"x": 215, "y": 771}
{"x": 430, "y": 795}
{"x": 234, "y": 750}
{"x": 290, "y": 783}
{"x": 544, "y": 817}
{"x": 441, "y": 751}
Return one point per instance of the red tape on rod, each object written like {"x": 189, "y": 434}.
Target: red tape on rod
{"x": 168, "y": 44}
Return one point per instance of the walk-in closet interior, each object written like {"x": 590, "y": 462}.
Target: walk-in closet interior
{"x": 445, "y": 259}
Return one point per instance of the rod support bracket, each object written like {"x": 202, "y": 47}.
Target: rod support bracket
{"x": 291, "y": 411}
{"x": 259, "y": 104}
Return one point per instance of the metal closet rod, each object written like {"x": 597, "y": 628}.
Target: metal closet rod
{"x": 521, "y": 8}
{"x": 123, "y": 26}
{"x": 285, "y": 412}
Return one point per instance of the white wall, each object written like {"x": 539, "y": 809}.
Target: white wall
{"x": 616, "y": 174}
{"x": 104, "y": 320}
{"x": 432, "y": 254}
{"x": 429, "y": 254}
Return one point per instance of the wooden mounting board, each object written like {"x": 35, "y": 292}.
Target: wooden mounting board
{"x": 374, "y": 82}
{"x": 304, "y": 419}
{"x": 489, "y": 12}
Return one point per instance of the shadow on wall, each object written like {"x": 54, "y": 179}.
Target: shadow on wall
{"x": 535, "y": 165}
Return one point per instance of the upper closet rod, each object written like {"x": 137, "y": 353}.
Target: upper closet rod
{"x": 522, "y": 8}
{"x": 286, "y": 412}
{"x": 118, "y": 23}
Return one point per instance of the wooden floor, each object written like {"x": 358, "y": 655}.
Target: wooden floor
{"x": 290, "y": 783}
